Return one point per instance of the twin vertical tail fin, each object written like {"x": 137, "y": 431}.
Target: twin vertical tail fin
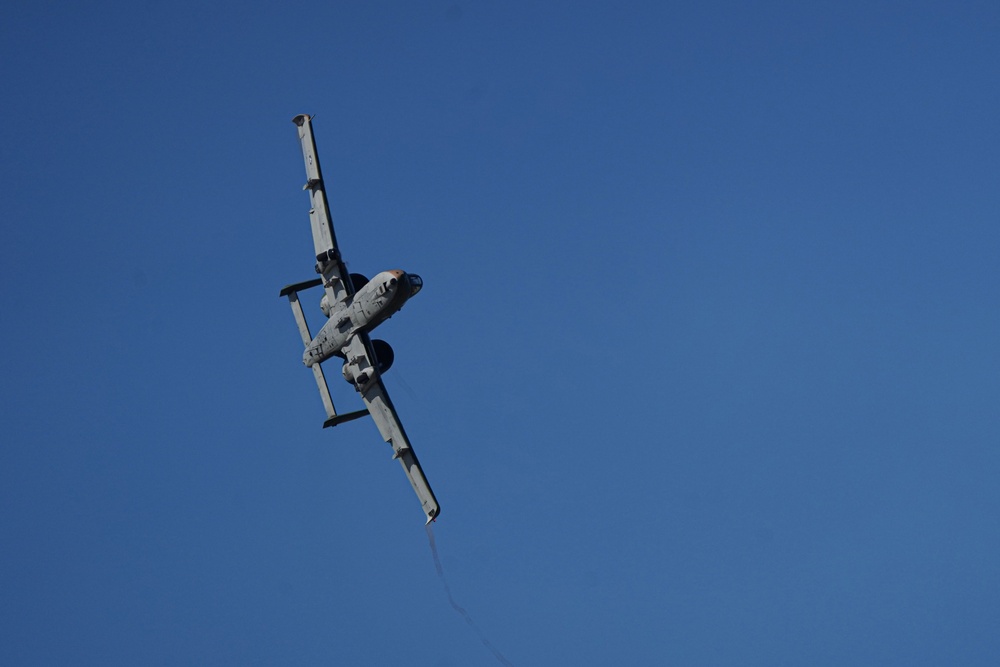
{"x": 332, "y": 418}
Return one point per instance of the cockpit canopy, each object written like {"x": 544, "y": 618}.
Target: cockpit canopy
{"x": 415, "y": 283}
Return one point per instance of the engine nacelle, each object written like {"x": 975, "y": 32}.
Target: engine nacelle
{"x": 383, "y": 355}
{"x": 358, "y": 280}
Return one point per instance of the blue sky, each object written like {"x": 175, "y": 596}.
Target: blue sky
{"x": 704, "y": 371}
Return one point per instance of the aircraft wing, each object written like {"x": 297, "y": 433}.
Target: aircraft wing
{"x": 383, "y": 412}
{"x": 336, "y": 280}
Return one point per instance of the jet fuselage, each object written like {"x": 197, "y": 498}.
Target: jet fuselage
{"x": 371, "y": 305}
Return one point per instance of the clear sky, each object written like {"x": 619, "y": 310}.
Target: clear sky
{"x": 704, "y": 371}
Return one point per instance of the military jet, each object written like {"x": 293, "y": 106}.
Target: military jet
{"x": 354, "y": 306}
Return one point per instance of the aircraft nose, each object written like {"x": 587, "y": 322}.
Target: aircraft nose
{"x": 416, "y": 282}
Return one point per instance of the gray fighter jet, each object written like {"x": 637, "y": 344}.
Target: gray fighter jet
{"x": 354, "y": 306}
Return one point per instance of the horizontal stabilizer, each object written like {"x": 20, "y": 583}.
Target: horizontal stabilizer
{"x": 346, "y": 417}
{"x": 298, "y": 287}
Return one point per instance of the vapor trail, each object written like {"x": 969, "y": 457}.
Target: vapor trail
{"x": 454, "y": 605}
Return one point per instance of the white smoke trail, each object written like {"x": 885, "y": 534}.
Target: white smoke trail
{"x": 454, "y": 605}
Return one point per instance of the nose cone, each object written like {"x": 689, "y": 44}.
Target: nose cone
{"x": 416, "y": 283}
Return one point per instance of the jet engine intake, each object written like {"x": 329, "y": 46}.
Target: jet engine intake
{"x": 358, "y": 280}
{"x": 383, "y": 355}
